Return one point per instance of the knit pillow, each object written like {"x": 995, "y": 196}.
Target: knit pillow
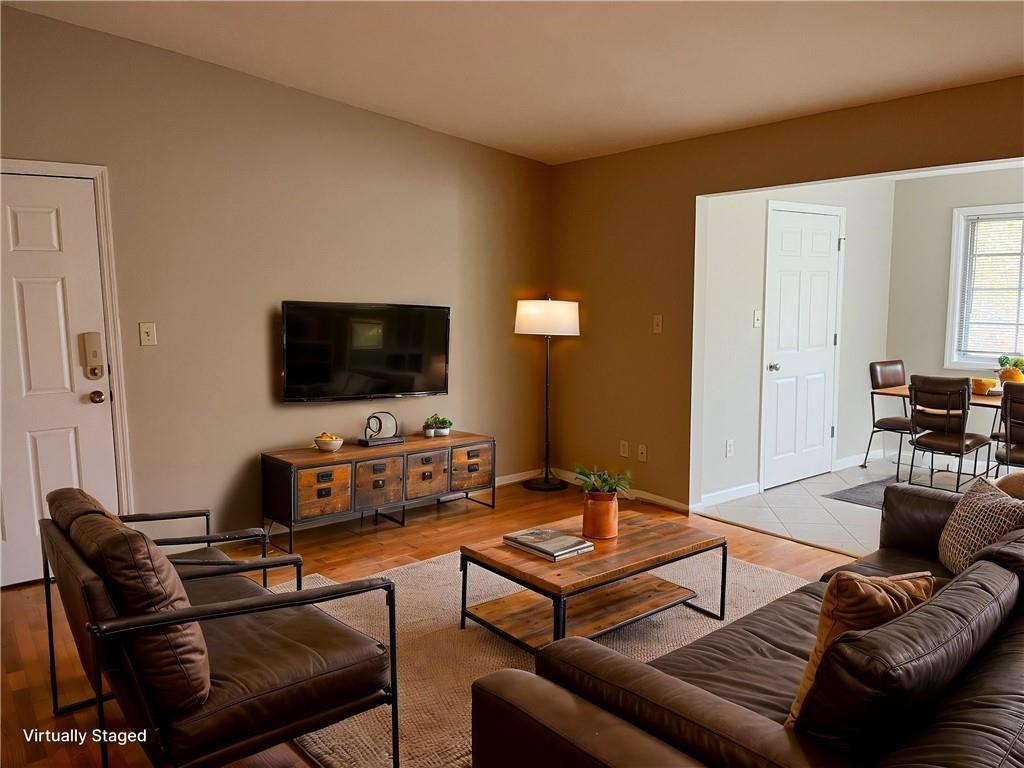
{"x": 853, "y": 602}
{"x": 982, "y": 516}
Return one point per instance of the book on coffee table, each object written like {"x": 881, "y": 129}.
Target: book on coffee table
{"x": 554, "y": 545}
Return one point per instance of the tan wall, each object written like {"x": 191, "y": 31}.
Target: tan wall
{"x": 230, "y": 194}
{"x": 623, "y": 243}
{"x": 734, "y": 288}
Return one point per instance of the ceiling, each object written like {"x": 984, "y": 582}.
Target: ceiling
{"x": 561, "y": 81}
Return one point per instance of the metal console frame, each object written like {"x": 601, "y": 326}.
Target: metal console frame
{"x": 558, "y": 602}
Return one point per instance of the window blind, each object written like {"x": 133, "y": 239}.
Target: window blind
{"x": 991, "y": 288}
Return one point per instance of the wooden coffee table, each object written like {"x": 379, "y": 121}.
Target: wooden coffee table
{"x": 588, "y": 595}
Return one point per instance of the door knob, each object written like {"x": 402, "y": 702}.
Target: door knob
{"x": 774, "y": 367}
{"x": 96, "y": 396}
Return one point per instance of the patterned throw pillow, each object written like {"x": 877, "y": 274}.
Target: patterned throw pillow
{"x": 982, "y": 516}
{"x": 853, "y": 602}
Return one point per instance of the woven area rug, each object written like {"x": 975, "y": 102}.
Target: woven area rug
{"x": 437, "y": 662}
{"x": 865, "y": 494}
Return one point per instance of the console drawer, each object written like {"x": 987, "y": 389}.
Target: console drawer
{"x": 324, "y": 491}
{"x": 472, "y": 466}
{"x": 426, "y": 474}
{"x": 379, "y": 482}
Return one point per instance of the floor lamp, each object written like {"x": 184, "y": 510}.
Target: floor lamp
{"x": 547, "y": 318}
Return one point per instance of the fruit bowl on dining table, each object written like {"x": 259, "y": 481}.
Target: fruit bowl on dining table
{"x": 327, "y": 442}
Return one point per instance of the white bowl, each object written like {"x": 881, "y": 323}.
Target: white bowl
{"x": 328, "y": 446}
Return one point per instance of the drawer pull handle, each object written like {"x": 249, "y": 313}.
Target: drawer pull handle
{"x": 324, "y": 477}
{"x": 428, "y": 475}
{"x": 379, "y": 469}
{"x": 427, "y": 460}
{"x": 473, "y": 468}
{"x": 323, "y": 493}
{"x": 474, "y": 454}
{"x": 379, "y": 483}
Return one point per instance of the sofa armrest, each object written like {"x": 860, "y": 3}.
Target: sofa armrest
{"x": 913, "y": 518}
{"x": 520, "y": 719}
{"x": 691, "y": 719}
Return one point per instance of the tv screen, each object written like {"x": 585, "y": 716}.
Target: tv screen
{"x": 352, "y": 351}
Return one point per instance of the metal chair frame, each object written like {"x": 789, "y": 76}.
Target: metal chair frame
{"x": 962, "y": 410}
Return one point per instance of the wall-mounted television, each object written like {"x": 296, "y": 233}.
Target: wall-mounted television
{"x": 335, "y": 351}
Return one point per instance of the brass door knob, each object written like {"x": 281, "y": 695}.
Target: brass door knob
{"x": 96, "y": 396}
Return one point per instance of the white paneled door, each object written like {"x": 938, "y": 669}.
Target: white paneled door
{"x": 801, "y": 296}
{"x": 57, "y": 428}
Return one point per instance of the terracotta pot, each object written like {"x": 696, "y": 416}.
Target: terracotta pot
{"x": 600, "y": 515}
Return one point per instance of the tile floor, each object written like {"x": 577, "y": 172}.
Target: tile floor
{"x": 801, "y": 511}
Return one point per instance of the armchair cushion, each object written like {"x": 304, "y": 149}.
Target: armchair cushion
{"x": 982, "y": 516}
{"x": 296, "y": 664}
{"x": 173, "y": 660}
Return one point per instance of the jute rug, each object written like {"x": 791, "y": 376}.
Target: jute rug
{"x": 437, "y": 662}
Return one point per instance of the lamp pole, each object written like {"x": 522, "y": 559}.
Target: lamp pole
{"x": 546, "y": 483}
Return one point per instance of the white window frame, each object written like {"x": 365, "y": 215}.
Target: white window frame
{"x": 958, "y": 250}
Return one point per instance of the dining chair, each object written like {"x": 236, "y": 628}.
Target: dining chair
{"x": 1010, "y": 437}
{"x": 885, "y": 374}
{"x": 939, "y": 407}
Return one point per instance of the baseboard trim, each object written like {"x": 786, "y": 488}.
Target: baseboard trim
{"x": 855, "y": 461}
{"x": 638, "y": 493}
{"x": 729, "y": 494}
{"x": 517, "y": 477}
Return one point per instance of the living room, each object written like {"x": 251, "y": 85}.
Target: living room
{"x": 244, "y": 160}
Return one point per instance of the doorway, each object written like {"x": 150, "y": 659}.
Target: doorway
{"x": 63, "y": 394}
{"x": 803, "y": 270}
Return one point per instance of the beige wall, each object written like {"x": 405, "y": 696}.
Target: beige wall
{"x": 230, "y": 194}
{"x": 623, "y": 242}
{"x": 734, "y": 288}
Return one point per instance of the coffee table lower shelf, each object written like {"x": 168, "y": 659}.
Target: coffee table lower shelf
{"x": 525, "y": 617}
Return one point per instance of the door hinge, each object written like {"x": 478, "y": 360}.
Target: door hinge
{"x": 835, "y": 339}
{"x": 839, "y": 243}
{"x": 833, "y": 432}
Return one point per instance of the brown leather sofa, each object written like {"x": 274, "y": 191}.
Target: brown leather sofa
{"x": 944, "y": 686}
{"x": 211, "y": 667}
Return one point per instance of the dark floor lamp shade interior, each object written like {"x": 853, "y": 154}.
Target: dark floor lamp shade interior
{"x": 547, "y": 318}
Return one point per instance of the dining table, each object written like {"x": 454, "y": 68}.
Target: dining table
{"x": 994, "y": 402}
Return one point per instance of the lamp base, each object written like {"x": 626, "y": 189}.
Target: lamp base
{"x": 545, "y": 484}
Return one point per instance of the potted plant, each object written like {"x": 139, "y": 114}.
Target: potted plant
{"x": 430, "y": 426}
{"x": 1011, "y": 369}
{"x": 442, "y": 426}
{"x": 601, "y": 502}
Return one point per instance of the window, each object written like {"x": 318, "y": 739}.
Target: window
{"x": 986, "y": 286}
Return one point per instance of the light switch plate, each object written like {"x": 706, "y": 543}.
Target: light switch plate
{"x": 757, "y": 318}
{"x": 657, "y": 323}
{"x": 147, "y": 334}
{"x": 624, "y": 449}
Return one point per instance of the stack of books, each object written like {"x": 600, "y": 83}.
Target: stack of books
{"x": 553, "y": 545}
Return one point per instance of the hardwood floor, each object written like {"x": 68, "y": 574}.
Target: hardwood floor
{"x": 339, "y": 552}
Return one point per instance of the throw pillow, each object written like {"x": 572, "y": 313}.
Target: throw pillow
{"x": 854, "y": 602}
{"x": 1012, "y": 484}
{"x": 982, "y": 516}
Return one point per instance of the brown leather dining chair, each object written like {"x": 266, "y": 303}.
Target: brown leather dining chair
{"x": 885, "y": 374}
{"x": 1010, "y": 437}
{"x": 939, "y": 407}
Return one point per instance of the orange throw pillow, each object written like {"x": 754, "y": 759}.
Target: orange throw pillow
{"x": 854, "y": 602}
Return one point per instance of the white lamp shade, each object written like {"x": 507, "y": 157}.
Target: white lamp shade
{"x": 544, "y": 317}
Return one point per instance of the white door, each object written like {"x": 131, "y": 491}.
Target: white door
{"x": 801, "y": 294}
{"x": 55, "y": 434}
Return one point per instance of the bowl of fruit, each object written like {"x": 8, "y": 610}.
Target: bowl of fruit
{"x": 327, "y": 442}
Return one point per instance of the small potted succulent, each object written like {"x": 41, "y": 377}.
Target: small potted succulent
{"x": 601, "y": 502}
{"x": 437, "y": 426}
{"x": 429, "y": 428}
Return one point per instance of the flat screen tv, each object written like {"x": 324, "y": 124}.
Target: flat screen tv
{"x": 358, "y": 351}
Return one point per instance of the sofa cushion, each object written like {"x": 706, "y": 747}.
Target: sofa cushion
{"x": 68, "y": 504}
{"x": 870, "y": 684}
{"x": 291, "y": 667}
{"x": 758, "y": 660}
{"x": 978, "y": 721}
{"x": 173, "y": 661}
{"x": 889, "y": 561}
{"x": 855, "y": 602}
{"x": 982, "y": 516}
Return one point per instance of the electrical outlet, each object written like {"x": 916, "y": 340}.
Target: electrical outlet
{"x": 657, "y": 323}
{"x": 641, "y": 453}
{"x": 624, "y": 449}
{"x": 147, "y": 334}
{"x": 757, "y": 318}
{"x": 730, "y": 448}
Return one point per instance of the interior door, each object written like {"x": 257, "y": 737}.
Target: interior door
{"x": 57, "y": 428}
{"x": 801, "y": 294}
